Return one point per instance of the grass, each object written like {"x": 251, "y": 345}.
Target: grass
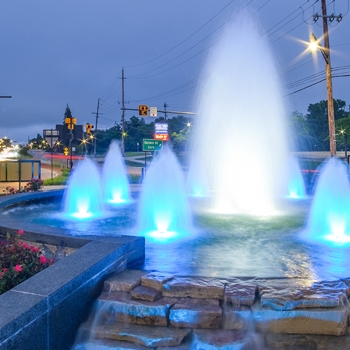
{"x": 59, "y": 180}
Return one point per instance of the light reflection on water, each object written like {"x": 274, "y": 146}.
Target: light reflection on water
{"x": 221, "y": 245}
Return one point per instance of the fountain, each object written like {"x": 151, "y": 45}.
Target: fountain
{"x": 114, "y": 177}
{"x": 329, "y": 218}
{"x": 240, "y": 148}
{"x": 164, "y": 210}
{"x": 295, "y": 181}
{"x": 83, "y": 197}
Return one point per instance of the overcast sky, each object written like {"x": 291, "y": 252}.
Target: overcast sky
{"x": 59, "y": 52}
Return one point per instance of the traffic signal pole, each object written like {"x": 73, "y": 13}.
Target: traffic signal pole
{"x": 70, "y": 144}
{"x": 123, "y": 116}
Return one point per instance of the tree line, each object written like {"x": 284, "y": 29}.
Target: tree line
{"x": 309, "y": 131}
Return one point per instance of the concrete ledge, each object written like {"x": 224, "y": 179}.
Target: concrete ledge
{"x": 45, "y": 311}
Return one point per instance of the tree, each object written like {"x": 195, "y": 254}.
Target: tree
{"x": 67, "y": 114}
{"x": 317, "y": 121}
{"x": 38, "y": 143}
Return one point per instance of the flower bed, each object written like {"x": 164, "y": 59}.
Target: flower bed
{"x": 19, "y": 261}
{"x": 31, "y": 186}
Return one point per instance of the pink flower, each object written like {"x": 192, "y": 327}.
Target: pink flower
{"x": 20, "y": 232}
{"x": 26, "y": 246}
{"x": 5, "y": 269}
{"x": 18, "y": 268}
{"x": 43, "y": 260}
{"x": 1, "y": 275}
{"x": 35, "y": 249}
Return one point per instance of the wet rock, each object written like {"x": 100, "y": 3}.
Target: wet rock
{"x": 328, "y": 321}
{"x": 195, "y": 315}
{"x": 156, "y": 279}
{"x": 290, "y": 342}
{"x": 196, "y": 287}
{"x": 121, "y": 307}
{"x": 145, "y": 293}
{"x": 124, "y": 281}
{"x": 241, "y": 292}
{"x": 289, "y": 294}
{"x": 143, "y": 335}
{"x": 189, "y": 300}
{"x": 109, "y": 344}
{"x": 222, "y": 339}
{"x": 237, "y": 317}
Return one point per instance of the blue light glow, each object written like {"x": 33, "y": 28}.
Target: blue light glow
{"x": 163, "y": 204}
{"x": 329, "y": 218}
{"x": 82, "y": 198}
{"x": 114, "y": 177}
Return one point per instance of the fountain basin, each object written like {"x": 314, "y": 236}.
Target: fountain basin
{"x": 219, "y": 245}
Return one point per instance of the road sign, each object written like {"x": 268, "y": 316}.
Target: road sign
{"x": 150, "y": 145}
{"x": 143, "y": 110}
{"x": 153, "y": 111}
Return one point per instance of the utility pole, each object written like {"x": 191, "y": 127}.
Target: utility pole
{"x": 331, "y": 122}
{"x": 98, "y": 107}
{"x": 165, "y": 106}
{"x": 123, "y": 115}
{"x": 326, "y": 53}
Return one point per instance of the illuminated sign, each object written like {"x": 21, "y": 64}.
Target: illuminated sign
{"x": 163, "y": 137}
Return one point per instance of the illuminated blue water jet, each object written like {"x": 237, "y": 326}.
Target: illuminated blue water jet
{"x": 295, "y": 181}
{"x": 83, "y": 197}
{"x": 164, "y": 211}
{"x": 329, "y": 218}
{"x": 114, "y": 177}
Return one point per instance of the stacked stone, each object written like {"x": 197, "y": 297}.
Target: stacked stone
{"x": 140, "y": 310}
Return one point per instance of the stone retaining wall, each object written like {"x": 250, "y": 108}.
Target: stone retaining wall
{"x": 139, "y": 310}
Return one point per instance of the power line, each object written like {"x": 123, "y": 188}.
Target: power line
{"x": 183, "y": 41}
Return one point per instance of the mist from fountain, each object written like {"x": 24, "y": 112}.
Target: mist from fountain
{"x": 83, "y": 196}
{"x": 163, "y": 209}
{"x": 240, "y": 149}
{"x": 115, "y": 182}
{"x": 329, "y": 218}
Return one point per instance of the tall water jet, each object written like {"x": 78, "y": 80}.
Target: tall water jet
{"x": 83, "y": 198}
{"x": 329, "y": 218}
{"x": 296, "y": 186}
{"x": 240, "y": 137}
{"x": 163, "y": 206}
{"x": 114, "y": 176}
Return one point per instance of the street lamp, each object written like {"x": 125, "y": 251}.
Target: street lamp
{"x": 314, "y": 45}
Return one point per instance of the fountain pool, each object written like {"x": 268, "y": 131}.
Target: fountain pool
{"x": 220, "y": 245}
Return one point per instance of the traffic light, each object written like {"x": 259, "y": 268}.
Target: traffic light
{"x": 143, "y": 110}
{"x": 70, "y": 122}
{"x": 65, "y": 151}
{"x": 88, "y": 128}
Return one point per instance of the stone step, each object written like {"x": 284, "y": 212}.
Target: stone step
{"x": 145, "y": 293}
{"x": 124, "y": 281}
{"x": 122, "y": 307}
{"x": 196, "y": 313}
{"x": 290, "y": 294}
{"x": 148, "y": 336}
{"x": 225, "y": 339}
{"x": 331, "y": 321}
{"x": 109, "y": 344}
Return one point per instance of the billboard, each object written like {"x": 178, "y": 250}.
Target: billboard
{"x": 161, "y": 131}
